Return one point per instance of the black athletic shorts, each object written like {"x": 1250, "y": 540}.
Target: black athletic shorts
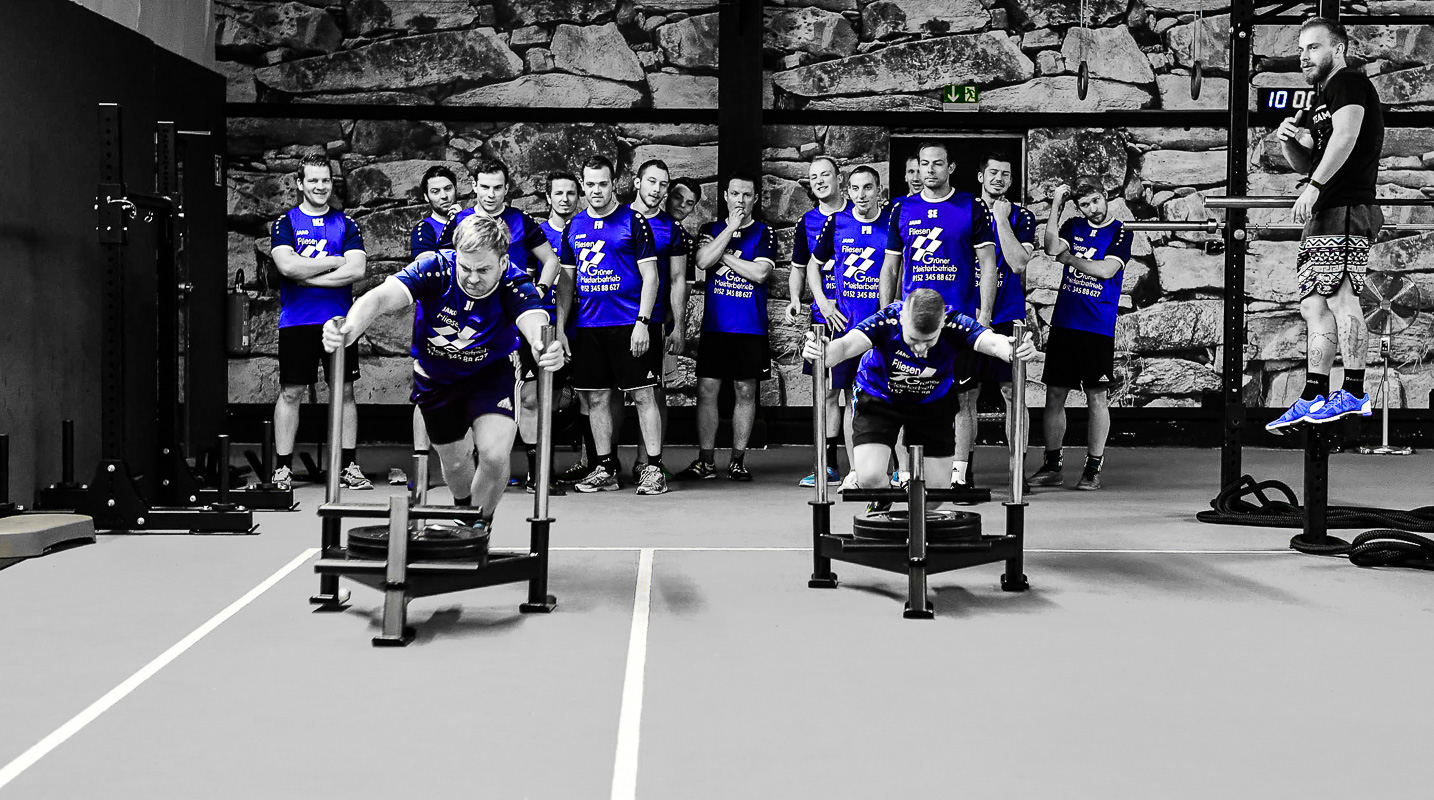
{"x": 734, "y": 356}
{"x": 990, "y": 369}
{"x": 603, "y": 359}
{"x": 450, "y": 410}
{"x": 931, "y": 425}
{"x": 301, "y": 351}
{"x": 1079, "y": 359}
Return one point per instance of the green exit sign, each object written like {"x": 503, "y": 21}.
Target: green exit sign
{"x": 961, "y": 93}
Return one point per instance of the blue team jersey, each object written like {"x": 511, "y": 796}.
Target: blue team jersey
{"x": 1010, "y": 302}
{"x": 555, "y": 241}
{"x": 523, "y": 231}
{"x": 333, "y": 234}
{"x": 425, "y": 236}
{"x": 733, "y": 303}
{"x": 856, "y": 246}
{"x": 890, "y": 371}
{"x": 805, "y": 243}
{"x": 458, "y": 334}
{"x": 1085, "y": 302}
{"x": 605, "y": 252}
{"x": 937, "y": 241}
{"x": 670, "y": 240}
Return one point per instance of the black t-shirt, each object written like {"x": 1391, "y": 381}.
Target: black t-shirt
{"x": 1354, "y": 183}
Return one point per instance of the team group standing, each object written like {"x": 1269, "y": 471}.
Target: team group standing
{"x": 918, "y": 296}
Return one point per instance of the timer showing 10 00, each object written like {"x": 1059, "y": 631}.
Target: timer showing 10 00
{"x": 1285, "y": 99}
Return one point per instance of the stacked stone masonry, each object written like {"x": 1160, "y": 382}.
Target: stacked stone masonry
{"x": 843, "y": 55}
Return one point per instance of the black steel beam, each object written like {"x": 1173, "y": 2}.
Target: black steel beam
{"x": 1232, "y": 369}
{"x": 420, "y": 113}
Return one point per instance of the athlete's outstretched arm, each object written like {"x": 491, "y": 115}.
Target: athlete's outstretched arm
{"x": 851, "y": 345}
{"x": 1005, "y": 348}
{"x": 548, "y": 276}
{"x": 386, "y": 298}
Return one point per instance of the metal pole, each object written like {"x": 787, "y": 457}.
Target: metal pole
{"x": 822, "y": 576}
{"x": 4, "y": 469}
{"x": 223, "y": 493}
{"x": 1018, "y": 416}
{"x": 917, "y": 606}
{"x": 329, "y": 597}
{"x": 67, "y": 452}
{"x": 336, "y": 422}
{"x": 540, "y": 524}
{"x": 1316, "y": 505}
{"x": 1282, "y": 201}
{"x": 1232, "y": 366}
{"x": 266, "y": 450}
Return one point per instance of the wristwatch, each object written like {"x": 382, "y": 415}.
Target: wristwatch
{"x": 1316, "y": 184}
{"x": 645, "y": 320}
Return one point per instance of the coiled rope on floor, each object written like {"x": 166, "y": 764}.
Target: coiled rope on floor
{"x": 1271, "y": 504}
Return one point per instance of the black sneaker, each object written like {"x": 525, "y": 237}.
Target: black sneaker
{"x": 962, "y": 485}
{"x": 737, "y": 471}
{"x": 1089, "y": 481}
{"x": 878, "y": 507}
{"x": 698, "y": 470}
{"x": 637, "y": 471}
{"x": 1046, "y": 476}
{"x": 572, "y": 474}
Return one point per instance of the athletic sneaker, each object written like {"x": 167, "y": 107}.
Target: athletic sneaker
{"x": 955, "y": 484}
{"x": 530, "y": 485}
{"x": 653, "y": 481}
{"x": 599, "y": 480}
{"x": 1301, "y": 411}
{"x": 353, "y": 478}
{"x": 637, "y": 471}
{"x": 833, "y": 478}
{"x": 1045, "y": 476}
{"x": 396, "y": 477}
{"x": 878, "y": 506}
{"x": 698, "y": 470}
{"x": 1089, "y": 481}
{"x": 1341, "y": 404}
{"x": 573, "y": 474}
{"x": 849, "y": 482}
{"x": 737, "y": 471}
{"x": 283, "y": 478}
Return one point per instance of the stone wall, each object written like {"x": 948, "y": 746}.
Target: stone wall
{"x": 569, "y": 53}
{"x": 830, "y": 55}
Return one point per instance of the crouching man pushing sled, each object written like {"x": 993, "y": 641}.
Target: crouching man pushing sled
{"x": 911, "y": 352}
{"x": 473, "y": 305}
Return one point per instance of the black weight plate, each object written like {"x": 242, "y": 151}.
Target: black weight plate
{"x": 941, "y": 526}
{"x": 432, "y": 542}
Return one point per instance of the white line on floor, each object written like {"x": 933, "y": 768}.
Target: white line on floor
{"x": 624, "y": 775}
{"x": 28, "y": 758}
{"x": 1074, "y": 550}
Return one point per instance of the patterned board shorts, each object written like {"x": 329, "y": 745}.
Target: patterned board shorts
{"x": 1335, "y": 243}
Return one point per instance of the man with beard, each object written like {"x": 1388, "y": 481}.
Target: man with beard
{"x": 672, "y": 244}
{"x": 1080, "y": 349}
{"x": 1003, "y": 295}
{"x": 936, "y": 241}
{"x": 854, "y": 241}
{"x": 319, "y": 252}
{"x": 1338, "y": 209}
{"x": 738, "y": 254}
{"x": 824, "y": 181}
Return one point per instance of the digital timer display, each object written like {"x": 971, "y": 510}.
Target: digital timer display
{"x": 1286, "y": 100}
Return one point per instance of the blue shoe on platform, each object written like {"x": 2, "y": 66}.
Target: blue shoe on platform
{"x": 1341, "y": 404}
{"x": 1302, "y": 411}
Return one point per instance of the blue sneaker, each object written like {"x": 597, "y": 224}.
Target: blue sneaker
{"x": 808, "y": 482}
{"x": 1341, "y": 404}
{"x": 1302, "y": 411}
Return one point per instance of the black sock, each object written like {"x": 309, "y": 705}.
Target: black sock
{"x": 707, "y": 456}
{"x": 286, "y": 460}
{"x": 350, "y": 455}
{"x": 1092, "y": 463}
{"x": 589, "y": 446}
{"x": 738, "y": 456}
{"x": 833, "y": 448}
{"x": 1354, "y": 381}
{"x": 1053, "y": 460}
{"x": 1316, "y": 385}
{"x": 532, "y": 453}
{"x": 463, "y": 501}
{"x": 610, "y": 461}
{"x": 655, "y": 461}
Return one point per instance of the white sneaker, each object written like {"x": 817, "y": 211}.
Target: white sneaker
{"x": 353, "y": 478}
{"x": 283, "y": 478}
{"x": 849, "y": 482}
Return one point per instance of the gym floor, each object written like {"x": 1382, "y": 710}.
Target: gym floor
{"x": 1154, "y": 656}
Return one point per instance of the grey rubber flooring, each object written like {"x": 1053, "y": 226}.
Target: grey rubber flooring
{"x": 1153, "y": 657}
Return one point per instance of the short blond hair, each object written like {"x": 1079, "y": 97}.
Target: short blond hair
{"x": 481, "y": 232}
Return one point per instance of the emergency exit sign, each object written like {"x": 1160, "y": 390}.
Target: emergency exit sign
{"x": 961, "y": 97}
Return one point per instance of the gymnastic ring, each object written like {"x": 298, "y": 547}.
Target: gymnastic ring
{"x": 1083, "y": 80}
{"x": 1195, "y": 75}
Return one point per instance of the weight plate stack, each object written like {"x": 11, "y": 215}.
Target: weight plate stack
{"x": 895, "y": 525}
{"x": 432, "y": 542}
